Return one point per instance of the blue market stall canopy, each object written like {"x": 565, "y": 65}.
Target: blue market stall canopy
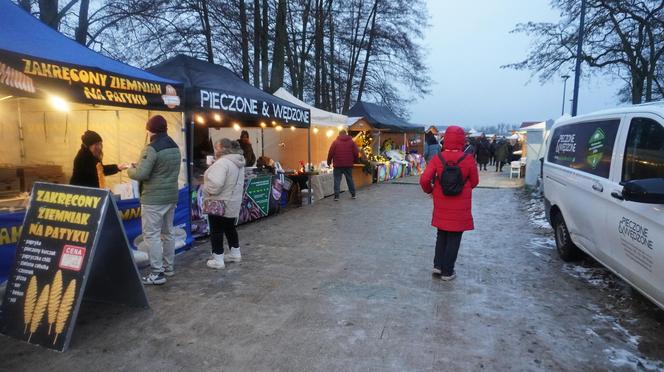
{"x": 210, "y": 87}
{"x": 37, "y": 61}
{"x": 383, "y": 118}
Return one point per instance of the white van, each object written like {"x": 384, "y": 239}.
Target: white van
{"x": 603, "y": 179}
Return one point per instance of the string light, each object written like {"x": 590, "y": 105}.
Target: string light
{"x": 263, "y": 125}
{"x": 236, "y": 126}
{"x": 315, "y": 130}
{"x": 217, "y": 117}
{"x": 279, "y": 128}
{"x": 292, "y": 128}
{"x": 329, "y": 133}
{"x": 200, "y": 119}
{"x": 274, "y": 123}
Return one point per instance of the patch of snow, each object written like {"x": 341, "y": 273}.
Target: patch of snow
{"x": 534, "y": 208}
{"x": 536, "y": 254}
{"x": 622, "y": 358}
{"x": 544, "y": 243}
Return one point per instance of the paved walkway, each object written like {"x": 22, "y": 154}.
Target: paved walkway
{"x": 346, "y": 286}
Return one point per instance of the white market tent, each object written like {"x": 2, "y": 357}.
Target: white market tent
{"x": 324, "y": 127}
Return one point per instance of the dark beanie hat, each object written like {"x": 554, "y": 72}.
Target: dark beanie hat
{"x": 156, "y": 124}
{"x": 89, "y": 138}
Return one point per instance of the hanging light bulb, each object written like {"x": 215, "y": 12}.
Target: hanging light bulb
{"x": 200, "y": 119}
{"x": 263, "y": 125}
{"x": 315, "y": 130}
{"x": 274, "y": 123}
{"x": 217, "y": 118}
{"x": 236, "y": 126}
{"x": 329, "y": 133}
{"x": 59, "y": 103}
{"x": 292, "y": 128}
{"x": 279, "y": 128}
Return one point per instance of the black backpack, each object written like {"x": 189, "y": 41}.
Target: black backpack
{"x": 452, "y": 181}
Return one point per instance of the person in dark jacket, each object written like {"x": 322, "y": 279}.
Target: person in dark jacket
{"x": 492, "y": 151}
{"x": 247, "y": 149}
{"x": 342, "y": 155}
{"x": 501, "y": 155}
{"x": 89, "y": 170}
{"x": 452, "y": 215}
{"x": 158, "y": 171}
{"x": 431, "y": 145}
{"x": 483, "y": 153}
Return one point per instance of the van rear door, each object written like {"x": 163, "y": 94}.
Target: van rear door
{"x": 635, "y": 231}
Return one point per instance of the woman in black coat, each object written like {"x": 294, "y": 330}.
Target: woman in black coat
{"x": 88, "y": 168}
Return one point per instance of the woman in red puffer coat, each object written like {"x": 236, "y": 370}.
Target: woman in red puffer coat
{"x": 452, "y": 215}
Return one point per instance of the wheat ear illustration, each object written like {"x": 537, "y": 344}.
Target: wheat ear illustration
{"x": 54, "y": 299}
{"x": 40, "y": 309}
{"x": 30, "y": 299}
{"x": 65, "y": 309}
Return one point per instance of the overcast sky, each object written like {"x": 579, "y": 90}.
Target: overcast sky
{"x": 467, "y": 43}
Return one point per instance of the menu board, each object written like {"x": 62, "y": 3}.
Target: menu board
{"x": 68, "y": 248}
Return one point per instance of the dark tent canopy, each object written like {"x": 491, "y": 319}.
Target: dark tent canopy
{"x": 210, "y": 87}
{"x": 37, "y": 61}
{"x": 382, "y": 118}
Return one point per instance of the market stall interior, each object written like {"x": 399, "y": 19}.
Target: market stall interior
{"x": 52, "y": 90}
{"x": 220, "y": 104}
{"x": 400, "y": 143}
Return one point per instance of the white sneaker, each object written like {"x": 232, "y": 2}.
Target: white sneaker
{"x": 217, "y": 261}
{"x": 233, "y": 256}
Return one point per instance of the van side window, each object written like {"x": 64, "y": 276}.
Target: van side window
{"x": 644, "y": 152}
{"x": 586, "y": 146}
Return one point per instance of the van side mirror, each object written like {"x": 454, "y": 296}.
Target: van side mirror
{"x": 650, "y": 191}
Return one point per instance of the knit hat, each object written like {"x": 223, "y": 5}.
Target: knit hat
{"x": 89, "y": 138}
{"x": 157, "y": 124}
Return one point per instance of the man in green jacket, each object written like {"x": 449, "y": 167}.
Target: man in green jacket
{"x": 158, "y": 170}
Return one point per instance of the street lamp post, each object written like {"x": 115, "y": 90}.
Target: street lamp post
{"x": 579, "y": 50}
{"x": 565, "y": 77}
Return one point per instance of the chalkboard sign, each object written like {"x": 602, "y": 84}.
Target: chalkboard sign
{"x": 72, "y": 247}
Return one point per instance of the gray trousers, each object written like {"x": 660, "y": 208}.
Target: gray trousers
{"x": 157, "y": 223}
{"x": 346, "y": 172}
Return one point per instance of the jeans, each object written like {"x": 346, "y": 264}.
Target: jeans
{"x": 220, "y": 226}
{"x": 447, "y": 249}
{"x": 348, "y": 172}
{"x": 157, "y": 224}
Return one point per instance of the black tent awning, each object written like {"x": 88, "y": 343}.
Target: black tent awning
{"x": 210, "y": 87}
{"x": 382, "y": 118}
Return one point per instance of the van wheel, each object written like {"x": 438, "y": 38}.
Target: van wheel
{"x": 566, "y": 249}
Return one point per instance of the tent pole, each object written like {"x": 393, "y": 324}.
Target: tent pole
{"x": 309, "y": 160}
{"x": 262, "y": 141}
{"x": 21, "y": 138}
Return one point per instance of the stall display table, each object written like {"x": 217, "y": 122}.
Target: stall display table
{"x": 323, "y": 185}
{"x": 261, "y": 198}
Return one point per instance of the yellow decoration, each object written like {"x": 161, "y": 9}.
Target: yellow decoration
{"x": 54, "y": 299}
{"x": 65, "y": 309}
{"x": 30, "y": 299}
{"x": 40, "y": 309}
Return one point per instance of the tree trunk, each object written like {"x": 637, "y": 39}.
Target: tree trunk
{"x": 318, "y": 37}
{"x": 244, "y": 41}
{"x": 355, "y": 55}
{"x": 265, "y": 35}
{"x": 372, "y": 35}
{"x": 207, "y": 31}
{"x": 333, "y": 72}
{"x": 637, "y": 87}
{"x": 257, "y": 43}
{"x": 304, "y": 52}
{"x": 48, "y": 13}
{"x": 83, "y": 23}
{"x": 278, "y": 65}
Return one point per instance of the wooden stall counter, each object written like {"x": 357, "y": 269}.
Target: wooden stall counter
{"x": 361, "y": 178}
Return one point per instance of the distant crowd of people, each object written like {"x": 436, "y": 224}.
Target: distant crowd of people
{"x": 491, "y": 151}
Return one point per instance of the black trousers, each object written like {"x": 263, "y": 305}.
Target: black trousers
{"x": 220, "y": 226}
{"x": 447, "y": 249}
{"x": 500, "y": 165}
{"x": 346, "y": 172}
